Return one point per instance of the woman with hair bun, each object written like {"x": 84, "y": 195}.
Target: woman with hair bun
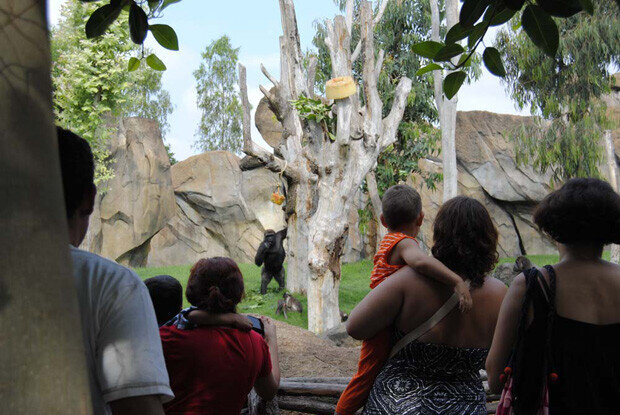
{"x": 213, "y": 368}
{"x": 568, "y": 335}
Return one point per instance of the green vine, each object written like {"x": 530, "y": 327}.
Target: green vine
{"x": 317, "y": 111}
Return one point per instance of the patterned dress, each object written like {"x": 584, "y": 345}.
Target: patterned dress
{"x": 430, "y": 379}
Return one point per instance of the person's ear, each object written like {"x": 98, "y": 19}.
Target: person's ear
{"x": 87, "y": 206}
{"x": 420, "y": 218}
{"x": 382, "y": 219}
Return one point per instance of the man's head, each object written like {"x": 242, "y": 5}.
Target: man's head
{"x": 78, "y": 171}
{"x": 167, "y": 296}
{"x": 402, "y": 208}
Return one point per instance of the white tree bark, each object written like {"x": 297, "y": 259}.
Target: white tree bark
{"x": 324, "y": 176}
{"x": 445, "y": 107}
{"x": 42, "y": 365}
{"x": 613, "y": 180}
{"x": 375, "y": 201}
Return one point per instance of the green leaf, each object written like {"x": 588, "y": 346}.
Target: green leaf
{"x": 167, "y": 3}
{"x": 471, "y": 11}
{"x": 153, "y": 4}
{"x": 428, "y": 68}
{"x": 541, "y": 29}
{"x": 155, "y": 63}
{"x": 165, "y": 36}
{"x": 427, "y": 49}
{"x": 458, "y": 32}
{"x": 501, "y": 14}
{"x": 133, "y": 64}
{"x": 493, "y": 61}
{"x": 452, "y": 83}
{"x": 464, "y": 57}
{"x": 514, "y": 4}
{"x": 100, "y": 20}
{"x": 138, "y": 23}
{"x": 478, "y": 31}
{"x": 587, "y": 6}
{"x": 448, "y": 52}
{"x": 560, "y": 8}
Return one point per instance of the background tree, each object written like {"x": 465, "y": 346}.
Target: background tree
{"x": 218, "y": 98}
{"x": 91, "y": 81}
{"x": 326, "y": 151}
{"x": 565, "y": 91}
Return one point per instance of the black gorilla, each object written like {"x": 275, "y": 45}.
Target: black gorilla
{"x": 272, "y": 254}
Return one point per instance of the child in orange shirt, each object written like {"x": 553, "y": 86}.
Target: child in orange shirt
{"x": 402, "y": 216}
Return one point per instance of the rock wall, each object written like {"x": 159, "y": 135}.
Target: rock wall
{"x": 487, "y": 172}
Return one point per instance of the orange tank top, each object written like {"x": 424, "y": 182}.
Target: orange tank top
{"x": 382, "y": 269}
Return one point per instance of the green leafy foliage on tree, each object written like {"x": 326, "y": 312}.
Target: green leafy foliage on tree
{"x": 218, "y": 98}
{"x": 564, "y": 90}
{"x": 91, "y": 86}
{"x": 137, "y": 17}
{"x": 537, "y": 18}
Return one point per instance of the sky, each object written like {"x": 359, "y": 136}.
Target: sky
{"x": 255, "y": 27}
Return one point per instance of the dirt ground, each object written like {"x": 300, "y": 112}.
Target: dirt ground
{"x": 304, "y": 354}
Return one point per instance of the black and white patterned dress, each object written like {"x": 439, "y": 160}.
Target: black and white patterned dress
{"x": 429, "y": 379}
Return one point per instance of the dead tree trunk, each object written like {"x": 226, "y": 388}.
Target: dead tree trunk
{"x": 375, "y": 201}
{"x": 613, "y": 180}
{"x": 324, "y": 176}
{"x": 446, "y": 107}
{"x": 42, "y": 364}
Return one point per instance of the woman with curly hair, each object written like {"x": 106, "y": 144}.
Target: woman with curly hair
{"x": 438, "y": 351}
{"x": 569, "y": 334}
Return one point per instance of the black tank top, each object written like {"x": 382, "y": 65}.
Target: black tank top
{"x": 586, "y": 358}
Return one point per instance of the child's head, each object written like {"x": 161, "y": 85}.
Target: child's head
{"x": 582, "y": 212}
{"x": 167, "y": 296}
{"x": 402, "y": 208}
{"x": 215, "y": 285}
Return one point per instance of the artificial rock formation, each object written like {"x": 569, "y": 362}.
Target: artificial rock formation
{"x": 487, "y": 171}
{"x": 138, "y": 201}
{"x": 221, "y": 211}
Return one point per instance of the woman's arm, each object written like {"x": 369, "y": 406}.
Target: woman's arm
{"x": 267, "y": 387}
{"x": 505, "y": 333}
{"x": 379, "y": 308}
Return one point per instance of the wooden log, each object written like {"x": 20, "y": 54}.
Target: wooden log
{"x": 316, "y": 389}
{"x": 305, "y": 405}
{"x": 340, "y": 380}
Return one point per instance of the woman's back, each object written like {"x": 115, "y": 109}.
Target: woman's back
{"x": 212, "y": 369}
{"x": 423, "y": 297}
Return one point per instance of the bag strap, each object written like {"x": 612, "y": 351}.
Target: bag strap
{"x": 423, "y": 328}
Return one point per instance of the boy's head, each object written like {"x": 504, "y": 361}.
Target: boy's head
{"x": 78, "y": 170}
{"x": 167, "y": 296}
{"x": 402, "y": 208}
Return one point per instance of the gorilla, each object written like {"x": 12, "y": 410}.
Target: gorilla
{"x": 522, "y": 264}
{"x": 272, "y": 254}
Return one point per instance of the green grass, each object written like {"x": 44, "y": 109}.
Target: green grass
{"x": 353, "y": 286}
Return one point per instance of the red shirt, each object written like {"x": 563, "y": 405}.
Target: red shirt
{"x": 382, "y": 269}
{"x": 212, "y": 369}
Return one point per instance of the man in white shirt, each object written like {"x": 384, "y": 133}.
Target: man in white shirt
{"x": 123, "y": 349}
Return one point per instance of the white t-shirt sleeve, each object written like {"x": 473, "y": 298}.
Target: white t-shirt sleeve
{"x": 129, "y": 355}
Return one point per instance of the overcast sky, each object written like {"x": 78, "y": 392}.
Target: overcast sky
{"x": 255, "y": 27}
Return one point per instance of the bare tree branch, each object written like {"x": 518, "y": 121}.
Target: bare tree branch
{"x": 379, "y": 63}
{"x": 375, "y": 201}
{"x": 391, "y": 122}
{"x": 377, "y": 19}
{"x": 265, "y": 72}
{"x": 312, "y": 75}
{"x": 247, "y": 118}
{"x": 349, "y": 15}
{"x": 374, "y": 106}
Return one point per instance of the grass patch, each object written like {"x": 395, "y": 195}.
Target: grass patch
{"x": 353, "y": 286}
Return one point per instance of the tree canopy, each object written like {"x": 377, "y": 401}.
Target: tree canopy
{"x": 218, "y": 98}
{"x": 91, "y": 82}
{"x": 564, "y": 90}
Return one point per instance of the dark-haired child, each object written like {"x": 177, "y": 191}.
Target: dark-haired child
{"x": 402, "y": 216}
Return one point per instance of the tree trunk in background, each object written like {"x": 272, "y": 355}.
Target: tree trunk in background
{"x": 446, "y": 108}
{"x": 324, "y": 176}
{"x": 375, "y": 201}
{"x": 42, "y": 365}
{"x": 613, "y": 180}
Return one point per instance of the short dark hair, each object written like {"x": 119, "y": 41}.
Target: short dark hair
{"x": 77, "y": 166}
{"x": 401, "y": 205}
{"x": 465, "y": 239}
{"x": 167, "y": 296}
{"x": 215, "y": 285}
{"x": 583, "y": 210}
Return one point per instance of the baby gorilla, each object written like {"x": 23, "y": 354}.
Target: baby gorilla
{"x": 288, "y": 303}
{"x": 271, "y": 253}
{"x": 522, "y": 264}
